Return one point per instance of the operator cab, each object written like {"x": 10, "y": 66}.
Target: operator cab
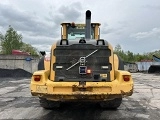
{"x": 72, "y": 31}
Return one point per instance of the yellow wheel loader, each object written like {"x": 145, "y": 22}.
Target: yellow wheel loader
{"x": 81, "y": 67}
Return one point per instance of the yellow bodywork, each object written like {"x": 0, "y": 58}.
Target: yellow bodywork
{"x": 63, "y": 91}
{"x": 116, "y": 62}
{"x": 48, "y": 88}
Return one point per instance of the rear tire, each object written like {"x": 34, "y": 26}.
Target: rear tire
{"x": 111, "y": 104}
{"x": 47, "y": 104}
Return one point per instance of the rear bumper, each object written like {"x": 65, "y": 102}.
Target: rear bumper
{"x": 74, "y": 91}
{"x": 81, "y": 96}
{"x": 70, "y": 91}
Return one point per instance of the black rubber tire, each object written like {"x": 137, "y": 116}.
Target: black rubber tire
{"x": 41, "y": 64}
{"x": 47, "y": 104}
{"x": 111, "y": 104}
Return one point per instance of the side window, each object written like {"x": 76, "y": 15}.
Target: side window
{"x": 92, "y": 33}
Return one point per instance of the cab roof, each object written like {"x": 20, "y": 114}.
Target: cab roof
{"x": 81, "y": 24}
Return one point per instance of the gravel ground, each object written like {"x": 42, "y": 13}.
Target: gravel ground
{"x": 16, "y": 102}
{"x": 14, "y": 73}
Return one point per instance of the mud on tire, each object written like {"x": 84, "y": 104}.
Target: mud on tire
{"x": 111, "y": 104}
{"x": 47, "y": 104}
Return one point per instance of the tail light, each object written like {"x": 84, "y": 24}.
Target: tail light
{"x": 88, "y": 71}
{"x": 126, "y": 78}
{"x": 37, "y": 77}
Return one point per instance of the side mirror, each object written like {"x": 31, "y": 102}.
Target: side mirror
{"x": 43, "y": 53}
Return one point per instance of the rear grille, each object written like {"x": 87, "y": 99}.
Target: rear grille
{"x": 66, "y": 56}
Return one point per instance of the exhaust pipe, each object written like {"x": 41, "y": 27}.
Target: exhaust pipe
{"x": 88, "y": 25}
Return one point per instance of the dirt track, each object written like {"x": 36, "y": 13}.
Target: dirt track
{"x": 17, "y": 103}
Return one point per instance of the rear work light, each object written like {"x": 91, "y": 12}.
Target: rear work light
{"x": 37, "y": 77}
{"x": 126, "y": 78}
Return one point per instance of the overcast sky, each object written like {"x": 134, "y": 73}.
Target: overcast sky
{"x": 134, "y": 24}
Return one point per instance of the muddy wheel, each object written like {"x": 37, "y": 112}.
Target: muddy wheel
{"x": 111, "y": 104}
{"x": 47, "y": 104}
